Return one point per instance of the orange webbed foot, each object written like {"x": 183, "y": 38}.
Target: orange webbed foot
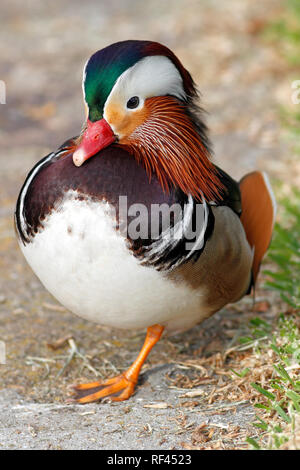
{"x": 94, "y": 391}
{"x": 124, "y": 383}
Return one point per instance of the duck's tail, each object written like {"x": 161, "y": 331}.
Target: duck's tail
{"x": 258, "y": 214}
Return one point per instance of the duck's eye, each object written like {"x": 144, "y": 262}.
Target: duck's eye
{"x": 133, "y": 102}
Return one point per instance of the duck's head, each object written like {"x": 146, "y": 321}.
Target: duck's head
{"x": 139, "y": 95}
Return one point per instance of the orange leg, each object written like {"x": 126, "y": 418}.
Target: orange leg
{"x": 124, "y": 383}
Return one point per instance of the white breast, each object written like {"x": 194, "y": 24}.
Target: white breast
{"x": 84, "y": 262}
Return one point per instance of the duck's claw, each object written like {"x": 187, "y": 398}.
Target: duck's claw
{"x": 94, "y": 391}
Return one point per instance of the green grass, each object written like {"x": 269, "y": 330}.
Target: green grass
{"x": 285, "y": 252}
{"x": 280, "y": 396}
{"x": 286, "y": 31}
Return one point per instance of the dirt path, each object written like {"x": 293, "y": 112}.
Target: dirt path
{"x": 242, "y": 80}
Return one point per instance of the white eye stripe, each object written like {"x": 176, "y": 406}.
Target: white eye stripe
{"x": 151, "y": 76}
{"x": 83, "y": 81}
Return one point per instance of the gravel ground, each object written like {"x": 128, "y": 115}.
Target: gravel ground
{"x": 243, "y": 80}
{"x": 135, "y": 424}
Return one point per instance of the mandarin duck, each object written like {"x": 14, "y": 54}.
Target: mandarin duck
{"x": 130, "y": 224}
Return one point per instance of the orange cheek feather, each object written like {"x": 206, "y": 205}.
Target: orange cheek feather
{"x": 124, "y": 123}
